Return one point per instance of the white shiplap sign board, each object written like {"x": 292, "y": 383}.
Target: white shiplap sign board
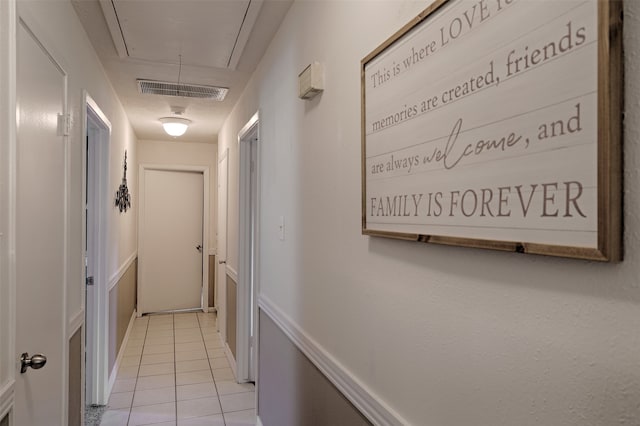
{"x": 480, "y": 127}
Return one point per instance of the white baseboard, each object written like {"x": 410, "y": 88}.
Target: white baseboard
{"x": 114, "y": 372}
{"x": 371, "y": 406}
{"x": 231, "y": 359}
{"x": 258, "y": 421}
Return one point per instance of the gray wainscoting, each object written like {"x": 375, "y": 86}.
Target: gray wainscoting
{"x": 292, "y": 391}
{"x": 122, "y": 303}
{"x": 232, "y": 297}
{"x": 75, "y": 378}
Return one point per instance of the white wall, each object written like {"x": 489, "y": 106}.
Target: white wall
{"x": 56, "y": 23}
{"x": 443, "y": 335}
{"x": 187, "y": 154}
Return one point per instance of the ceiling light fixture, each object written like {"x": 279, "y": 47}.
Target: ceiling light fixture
{"x": 176, "y": 126}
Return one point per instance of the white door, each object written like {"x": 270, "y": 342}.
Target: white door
{"x": 40, "y": 233}
{"x": 171, "y": 241}
{"x": 221, "y": 277}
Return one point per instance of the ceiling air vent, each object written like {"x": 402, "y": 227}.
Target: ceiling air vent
{"x": 164, "y": 88}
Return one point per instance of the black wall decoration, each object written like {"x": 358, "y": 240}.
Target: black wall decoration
{"x": 123, "y": 199}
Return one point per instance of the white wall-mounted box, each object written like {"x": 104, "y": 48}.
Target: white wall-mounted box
{"x": 310, "y": 81}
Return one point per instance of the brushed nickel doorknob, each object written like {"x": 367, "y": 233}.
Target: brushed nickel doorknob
{"x": 36, "y": 362}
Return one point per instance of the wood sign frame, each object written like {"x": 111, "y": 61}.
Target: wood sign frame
{"x": 497, "y": 124}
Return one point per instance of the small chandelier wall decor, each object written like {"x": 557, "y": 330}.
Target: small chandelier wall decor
{"x": 123, "y": 198}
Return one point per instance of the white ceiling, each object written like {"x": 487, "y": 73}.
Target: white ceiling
{"x": 219, "y": 42}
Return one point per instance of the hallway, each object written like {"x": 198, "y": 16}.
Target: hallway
{"x": 436, "y": 223}
{"x": 174, "y": 372}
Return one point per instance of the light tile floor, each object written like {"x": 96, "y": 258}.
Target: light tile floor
{"x": 174, "y": 372}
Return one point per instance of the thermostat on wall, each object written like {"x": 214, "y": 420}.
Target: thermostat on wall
{"x": 310, "y": 81}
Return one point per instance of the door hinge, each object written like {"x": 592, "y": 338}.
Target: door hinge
{"x": 89, "y": 280}
{"x": 64, "y": 124}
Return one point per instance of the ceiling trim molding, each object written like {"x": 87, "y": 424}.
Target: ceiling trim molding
{"x": 110, "y": 15}
{"x": 250, "y": 18}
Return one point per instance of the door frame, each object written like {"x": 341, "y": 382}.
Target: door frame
{"x": 247, "y": 314}
{"x": 221, "y": 264}
{"x": 8, "y": 128}
{"x": 93, "y": 114}
{"x": 204, "y": 296}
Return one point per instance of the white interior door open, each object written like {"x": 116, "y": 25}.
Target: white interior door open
{"x": 171, "y": 241}
{"x": 40, "y": 396}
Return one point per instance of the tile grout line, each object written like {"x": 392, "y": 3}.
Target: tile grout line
{"x": 175, "y": 369}
{"x": 144, "y": 342}
{"x": 215, "y": 385}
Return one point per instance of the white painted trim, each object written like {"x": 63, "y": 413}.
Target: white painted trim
{"x": 99, "y": 350}
{"x": 212, "y": 251}
{"x": 231, "y": 359}
{"x": 250, "y": 19}
{"x": 75, "y": 323}
{"x": 8, "y": 31}
{"x": 173, "y": 167}
{"x": 249, "y": 127}
{"x": 258, "y": 421}
{"x": 113, "y": 281}
{"x": 6, "y": 398}
{"x": 97, "y": 111}
{"x": 113, "y": 374}
{"x": 114, "y": 28}
{"x": 248, "y": 231}
{"x": 142, "y": 168}
{"x": 371, "y": 405}
{"x": 232, "y": 273}
{"x": 206, "y": 205}
{"x": 221, "y": 268}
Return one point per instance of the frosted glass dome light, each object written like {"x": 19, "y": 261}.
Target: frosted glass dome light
{"x": 175, "y": 126}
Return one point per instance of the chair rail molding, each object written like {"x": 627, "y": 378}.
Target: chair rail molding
{"x": 369, "y": 404}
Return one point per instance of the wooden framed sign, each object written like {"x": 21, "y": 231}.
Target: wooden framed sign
{"x": 497, "y": 124}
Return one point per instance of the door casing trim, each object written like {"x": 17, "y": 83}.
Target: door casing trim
{"x": 92, "y": 112}
{"x": 248, "y": 256}
{"x": 8, "y": 128}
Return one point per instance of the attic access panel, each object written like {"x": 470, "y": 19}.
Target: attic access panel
{"x": 205, "y": 32}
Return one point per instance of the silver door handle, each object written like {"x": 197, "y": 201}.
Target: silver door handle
{"x": 199, "y": 248}
{"x": 36, "y": 362}
{"x": 221, "y": 262}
